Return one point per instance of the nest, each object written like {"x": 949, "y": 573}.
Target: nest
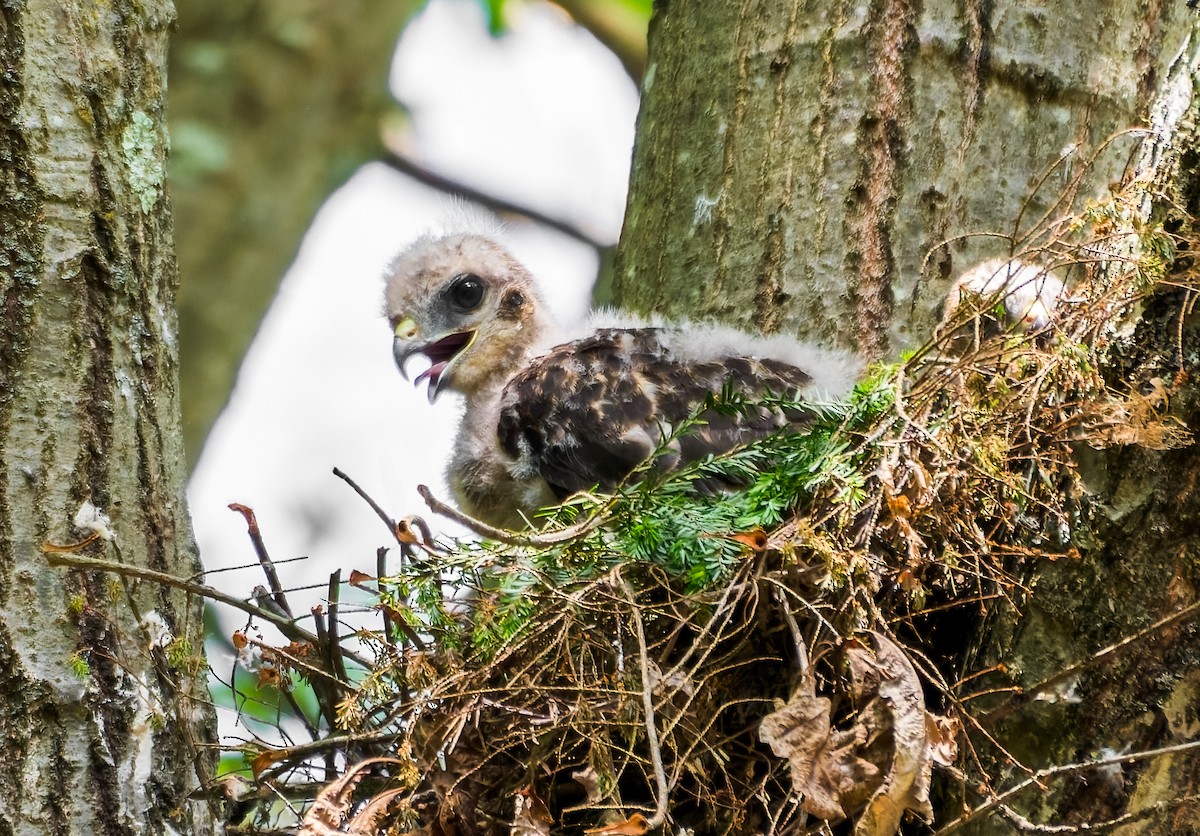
{"x": 774, "y": 661}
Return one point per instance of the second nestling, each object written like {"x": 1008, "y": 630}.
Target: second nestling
{"x": 1030, "y": 297}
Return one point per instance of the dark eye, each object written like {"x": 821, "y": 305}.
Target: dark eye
{"x": 466, "y": 292}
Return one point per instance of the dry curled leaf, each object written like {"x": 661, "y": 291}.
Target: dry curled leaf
{"x": 881, "y": 765}
{"x": 826, "y": 774}
{"x": 531, "y": 816}
{"x": 941, "y": 735}
{"x": 413, "y": 531}
{"x": 328, "y": 810}
{"x": 265, "y": 759}
{"x": 269, "y": 677}
{"x": 635, "y": 825}
{"x": 899, "y": 506}
{"x": 755, "y": 539}
{"x": 906, "y": 782}
{"x": 360, "y": 579}
{"x": 366, "y": 821}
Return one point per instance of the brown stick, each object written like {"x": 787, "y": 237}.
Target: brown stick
{"x": 264, "y": 559}
{"x": 286, "y": 626}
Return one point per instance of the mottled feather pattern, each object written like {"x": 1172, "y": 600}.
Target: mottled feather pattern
{"x": 550, "y": 411}
{"x": 589, "y": 412}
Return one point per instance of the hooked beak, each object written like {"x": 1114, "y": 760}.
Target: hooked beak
{"x": 442, "y": 353}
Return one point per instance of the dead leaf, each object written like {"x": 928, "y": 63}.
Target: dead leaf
{"x": 298, "y": 650}
{"x": 531, "y": 816}
{"x": 906, "y": 783}
{"x": 825, "y": 771}
{"x": 393, "y": 612}
{"x": 882, "y": 763}
{"x": 908, "y": 581}
{"x": 360, "y": 579}
{"x": 265, "y": 759}
{"x": 941, "y": 735}
{"x": 268, "y": 677}
{"x": 328, "y": 810}
{"x": 366, "y": 821}
{"x": 635, "y": 825}
{"x": 590, "y": 779}
{"x": 899, "y": 506}
{"x": 755, "y": 539}
{"x": 864, "y": 672}
{"x": 404, "y": 532}
{"x": 413, "y": 530}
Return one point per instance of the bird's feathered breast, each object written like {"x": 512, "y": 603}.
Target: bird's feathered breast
{"x": 589, "y": 412}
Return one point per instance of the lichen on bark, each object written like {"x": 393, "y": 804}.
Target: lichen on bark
{"x": 108, "y": 718}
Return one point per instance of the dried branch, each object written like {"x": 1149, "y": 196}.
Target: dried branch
{"x": 1038, "y": 779}
{"x": 264, "y": 559}
{"x": 286, "y": 626}
{"x": 510, "y": 538}
{"x": 501, "y": 206}
{"x": 1023, "y": 699}
{"x": 660, "y": 775}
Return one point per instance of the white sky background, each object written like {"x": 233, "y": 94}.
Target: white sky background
{"x": 542, "y": 115}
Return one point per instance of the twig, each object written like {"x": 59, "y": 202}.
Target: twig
{"x": 563, "y": 535}
{"x": 1020, "y": 701}
{"x": 286, "y": 626}
{"x": 1038, "y": 777}
{"x": 797, "y": 636}
{"x": 383, "y": 515}
{"x": 335, "y": 646}
{"x": 264, "y": 559}
{"x": 263, "y": 598}
{"x": 499, "y": 205}
{"x": 380, "y": 574}
{"x": 299, "y": 751}
{"x": 401, "y": 530}
{"x": 326, "y": 699}
{"x": 1024, "y": 825}
{"x": 310, "y": 671}
{"x": 660, "y": 776}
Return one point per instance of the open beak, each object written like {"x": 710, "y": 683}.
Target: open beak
{"x": 441, "y": 353}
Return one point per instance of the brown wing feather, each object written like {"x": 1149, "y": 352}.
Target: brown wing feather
{"x": 589, "y": 412}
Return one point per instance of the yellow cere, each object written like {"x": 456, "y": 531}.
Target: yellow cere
{"x": 406, "y": 328}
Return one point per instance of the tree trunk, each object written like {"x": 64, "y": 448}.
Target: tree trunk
{"x": 105, "y": 718}
{"x": 796, "y": 163}
{"x": 794, "y": 166}
{"x": 1139, "y": 568}
{"x": 273, "y": 105}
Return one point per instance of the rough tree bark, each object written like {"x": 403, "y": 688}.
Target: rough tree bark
{"x": 795, "y": 163}
{"x": 105, "y": 716}
{"x": 273, "y": 105}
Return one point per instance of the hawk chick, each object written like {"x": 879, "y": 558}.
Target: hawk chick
{"x": 1031, "y": 297}
{"x": 550, "y": 412}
